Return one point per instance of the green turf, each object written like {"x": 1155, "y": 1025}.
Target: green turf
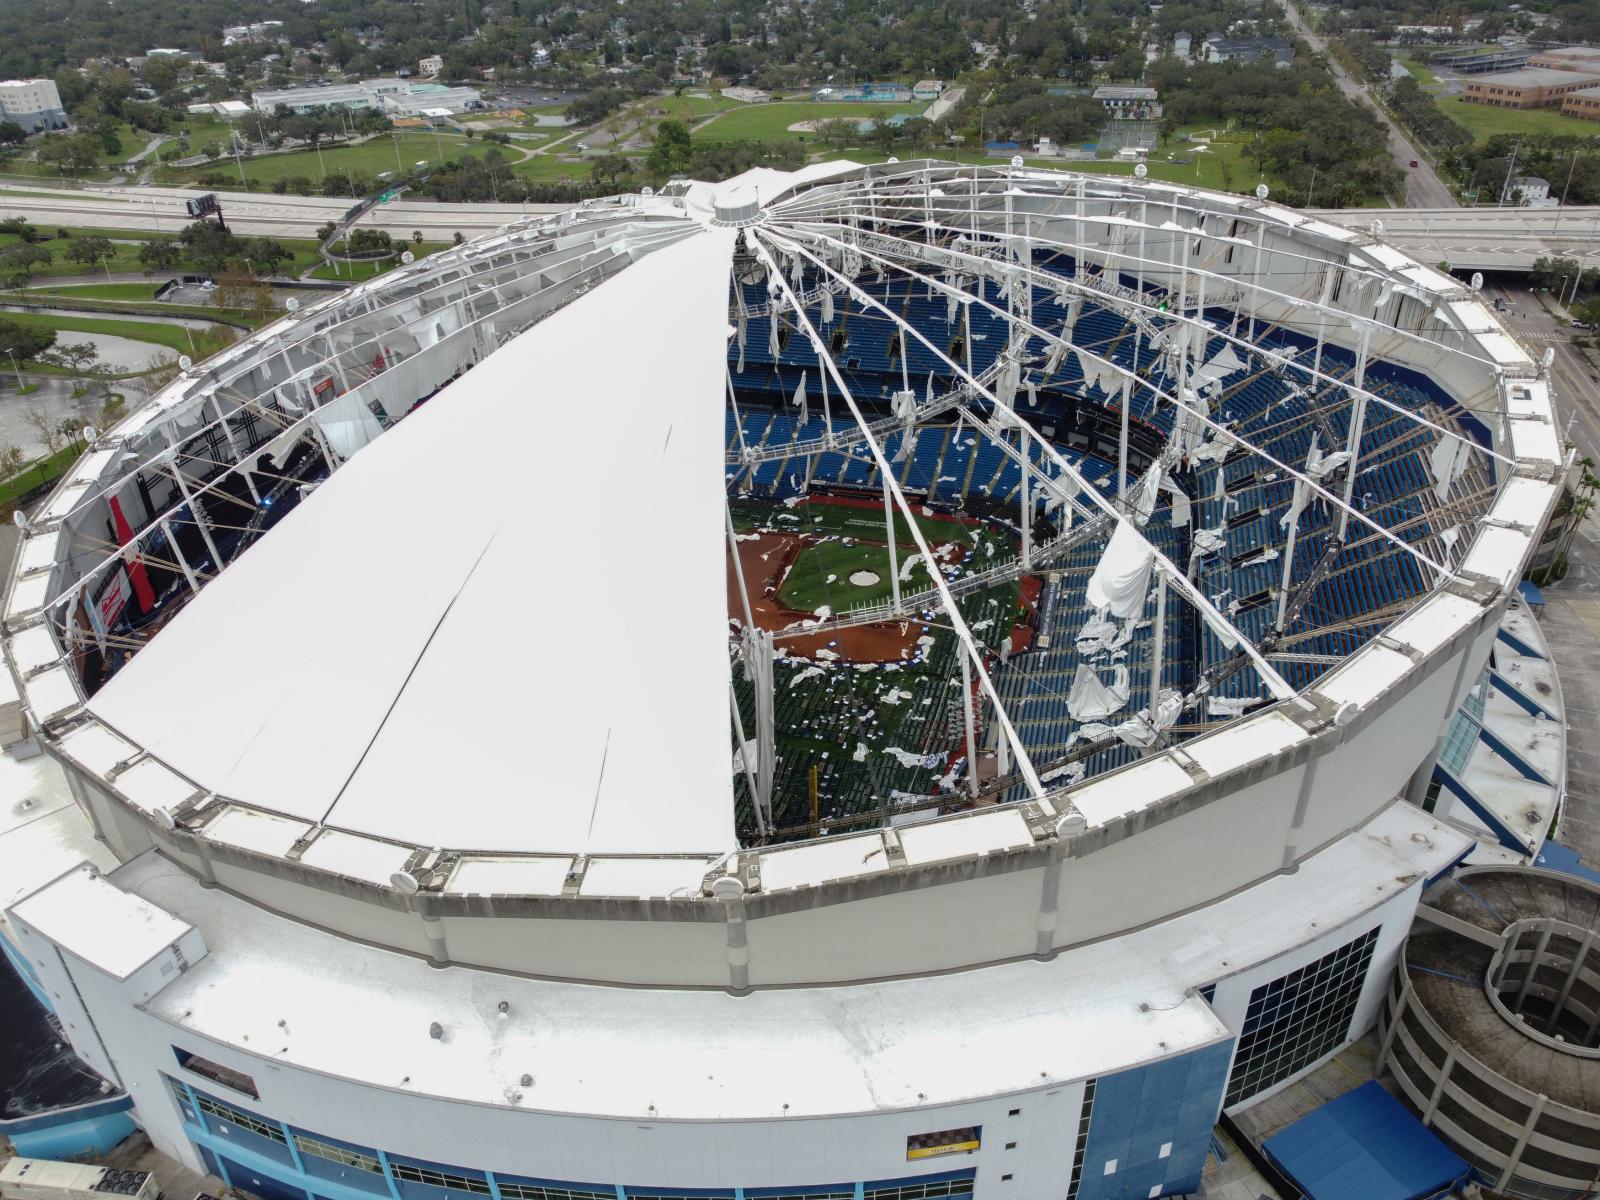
{"x": 684, "y": 108}
{"x": 846, "y": 520}
{"x": 820, "y": 575}
{"x": 174, "y": 337}
{"x": 771, "y": 121}
{"x": 1485, "y": 121}
{"x": 7, "y": 190}
{"x": 40, "y": 472}
{"x": 1422, "y": 73}
{"x": 102, "y": 291}
{"x": 394, "y": 154}
{"x": 546, "y": 167}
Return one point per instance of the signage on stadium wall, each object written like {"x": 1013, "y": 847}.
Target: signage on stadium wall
{"x": 322, "y": 387}
{"x": 946, "y": 1141}
{"x": 114, "y": 598}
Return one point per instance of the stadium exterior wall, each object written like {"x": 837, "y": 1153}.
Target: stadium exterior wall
{"x": 1265, "y": 817}
{"x": 1148, "y": 1126}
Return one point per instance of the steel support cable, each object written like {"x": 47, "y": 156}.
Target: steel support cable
{"x": 1177, "y": 578}
{"x": 952, "y": 610}
{"x": 1205, "y": 418}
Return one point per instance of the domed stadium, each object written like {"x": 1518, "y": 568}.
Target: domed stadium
{"x": 879, "y": 681}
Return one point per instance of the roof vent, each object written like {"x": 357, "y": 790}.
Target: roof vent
{"x": 737, "y": 207}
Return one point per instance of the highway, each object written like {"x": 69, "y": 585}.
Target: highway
{"x": 1483, "y": 239}
{"x": 1469, "y": 239}
{"x": 1424, "y": 188}
{"x": 253, "y": 215}
{"x": 1574, "y": 380}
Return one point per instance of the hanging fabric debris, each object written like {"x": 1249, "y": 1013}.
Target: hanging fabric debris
{"x": 1091, "y": 699}
{"x": 1121, "y": 578}
{"x": 800, "y": 400}
{"x": 1180, "y": 502}
{"x": 1230, "y": 706}
{"x": 1446, "y": 464}
{"x": 1142, "y": 501}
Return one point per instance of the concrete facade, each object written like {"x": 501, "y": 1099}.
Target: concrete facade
{"x": 34, "y": 104}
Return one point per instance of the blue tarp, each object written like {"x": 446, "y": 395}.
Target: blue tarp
{"x": 1556, "y": 857}
{"x": 1365, "y": 1145}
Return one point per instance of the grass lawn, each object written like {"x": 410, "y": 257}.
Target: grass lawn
{"x": 1206, "y": 170}
{"x": 771, "y": 121}
{"x": 40, "y": 472}
{"x": 1485, "y": 121}
{"x": 1422, "y": 73}
{"x": 544, "y": 167}
{"x": 393, "y": 154}
{"x": 125, "y": 258}
{"x": 7, "y": 190}
{"x": 102, "y": 291}
{"x": 354, "y": 271}
{"x": 685, "y": 108}
{"x": 174, "y": 337}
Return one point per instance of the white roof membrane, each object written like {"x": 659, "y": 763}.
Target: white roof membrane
{"x": 474, "y": 634}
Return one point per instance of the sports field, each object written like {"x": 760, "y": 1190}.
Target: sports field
{"x": 841, "y": 575}
{"x": 771, "y": 121}
{"x": 1485, "y": 120}
{"x": 395, "y": 153}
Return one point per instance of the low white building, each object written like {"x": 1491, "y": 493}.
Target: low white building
{"x": 396, "y": 97}
{"x": 256, "y": 31}
{"x": 34, "y": 104}
{"x": 1532, "y": 192}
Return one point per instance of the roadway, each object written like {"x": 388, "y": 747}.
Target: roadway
{"x": 1573, "y": 377}
{"x": 1483, "y": 239}
{"x": 144, "y": 209}
{"x": 1424, "y": 188}
{"x": 1469, "y": 239}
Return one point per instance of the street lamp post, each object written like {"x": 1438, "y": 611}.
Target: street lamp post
{"x": 14, "y": 366}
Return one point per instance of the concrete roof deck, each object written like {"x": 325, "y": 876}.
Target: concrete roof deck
{"x": 303, "y": 996}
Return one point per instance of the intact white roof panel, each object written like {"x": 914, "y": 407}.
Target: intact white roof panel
{"x": 1004, "y": 829}
{"x": 1497, "y": 553}
{"x": 1237, "y": 745}
{"x": 250, "y": 829}
{"x": 1366, "y": 676}
{"x": 149, "y": 785}
{"x": 543, "y": 876}
{"x": 34, "y": 647}
{"x": 1435, "y": 622}
{"x": 1129, "y": 790}
{"x": 644, "y": 877}
{"x": 356, "y": 856}
{"x": 30, "y": 593}
{"x": 837, "y": 858}
{"x": 1522, "y": 502}
{"x": 1535, "y": 440}
{"x": 51, "y": 693}
{"x": 96, "y": 747}
{"x": 39, "y": 551}
{"x": 412, "y": 661}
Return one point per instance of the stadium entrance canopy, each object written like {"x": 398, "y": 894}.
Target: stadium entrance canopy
{"x": 1366, "y": 1145}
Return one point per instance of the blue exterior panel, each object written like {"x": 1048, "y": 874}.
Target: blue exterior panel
{"x": 1172, "y": 1103}
{"x": 85, "y": 1137}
